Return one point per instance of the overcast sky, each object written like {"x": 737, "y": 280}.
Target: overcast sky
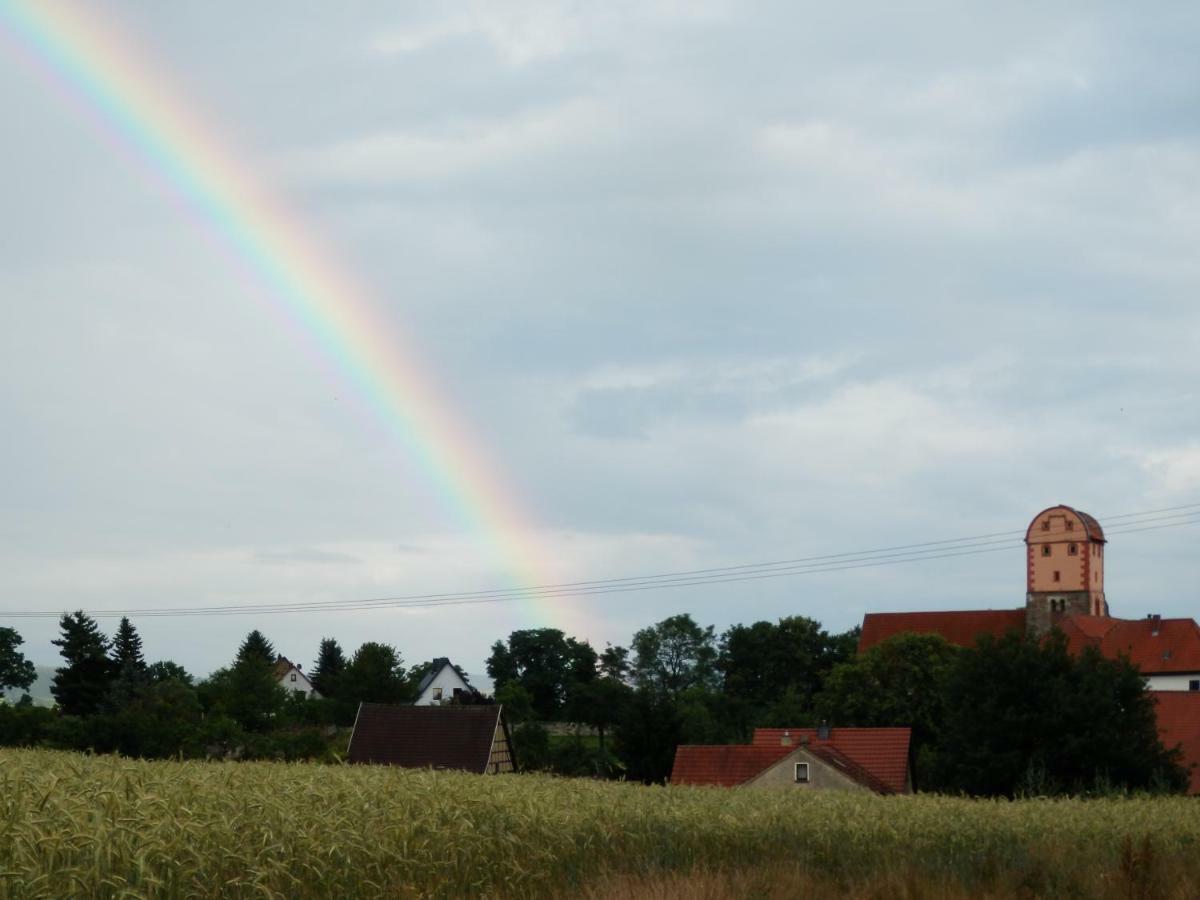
{"x": 711, "y": 283}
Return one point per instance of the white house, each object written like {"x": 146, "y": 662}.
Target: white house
{"x": 441, "y": 684}
{"x": 291, "y": 678}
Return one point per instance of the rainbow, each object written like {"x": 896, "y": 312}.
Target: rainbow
{"x": 93, "y": 65}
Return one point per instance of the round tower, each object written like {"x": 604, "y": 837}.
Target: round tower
{"x": 1064, "y": 568}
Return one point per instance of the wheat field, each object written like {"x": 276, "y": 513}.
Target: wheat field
{"x": 96, "y": 826}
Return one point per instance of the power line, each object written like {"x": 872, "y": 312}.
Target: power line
{"x": 1146, "y": 520}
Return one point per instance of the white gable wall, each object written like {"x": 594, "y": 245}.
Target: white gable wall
{"x": 1176, "y": 681}
{"x": 295, "y": 680}
{"x": 446, "y": 680}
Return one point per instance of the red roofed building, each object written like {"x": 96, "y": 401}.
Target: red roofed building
{"x": 1064, "y": 584}
{"x": 961, "y": 628}
{"x": 1179, "y": 724}
{"x": 873, "y": 759}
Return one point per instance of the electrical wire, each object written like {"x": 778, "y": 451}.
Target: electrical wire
{"x": 1146, "y": 520}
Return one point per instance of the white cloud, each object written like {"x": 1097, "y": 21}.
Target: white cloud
{"x": 1176, "y": 469}
{"x": 530, "y": 31}
{"x": 480, "y": 145}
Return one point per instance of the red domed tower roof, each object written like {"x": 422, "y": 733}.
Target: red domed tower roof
{"x": 1090, "y": 526}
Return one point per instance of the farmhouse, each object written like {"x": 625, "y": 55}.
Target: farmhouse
{"x": 443, "y": 683}
{"x": 470, "y": 738}
{"x": 291, "y": 678}
{"x": 847, "y": 759}
{"x": 1064, "y": 579}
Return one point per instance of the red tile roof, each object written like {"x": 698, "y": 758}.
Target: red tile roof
{"x": 1179, "y": 723}
{"x": 417, "y": 737}
{"x": 725, "y": 765}
{"x": 1155, "y": 646}
{"x": 882, "y": 752}
{"x": 840, "y": 761}
{"x": 960, "y": 628}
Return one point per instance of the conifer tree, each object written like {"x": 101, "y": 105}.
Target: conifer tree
{"x": 256, "y": 647}
{"x": 331, "y": 663}
{"x": 81, "y": 685}
{"x": 126, "y": 651}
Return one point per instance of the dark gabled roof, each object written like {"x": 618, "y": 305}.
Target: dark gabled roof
{"x": 440, "y": 663}
{"x": 421, "y": 737}
{"x": 961, "y": 628}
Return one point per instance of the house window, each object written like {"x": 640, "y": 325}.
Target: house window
{"x": 293, "y": 676}
{"x": 1072, "y": 550}
{"x": 1045, "y": 549}
{"x": 1056, "y": 576}
{"x": 437, "y": 693}
{"x": 1194, "y": 684}
{"x": 801, "y": 773}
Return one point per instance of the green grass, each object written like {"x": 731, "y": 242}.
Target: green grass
{"x": 73, "y": 825}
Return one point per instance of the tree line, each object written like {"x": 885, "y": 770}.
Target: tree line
{"x": 110, "y": 699}
{"x": 1004, "y": 717}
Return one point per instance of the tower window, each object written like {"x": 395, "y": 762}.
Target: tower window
{"x": 1072, "y": 549}
{"x": 1045, "y": 549}
{"x": 1070, "y": 525}
{"x": 1056, "y": 576}
{"x": 1046, "y": 525}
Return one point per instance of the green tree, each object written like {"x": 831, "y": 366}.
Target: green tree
{"x": 247, "y": 692}
{"x": 600, "y": 703}
{"x": 901, "y": 681}
{"x": 760, "y": 662}
{"x": 675, "y": 655}
{"x": 255, "y": 646}
{"x": 160, "y": 719}
{"x": 330, "y": 665}
{"x": 547, "y": 664}
{"x": 646, "y": 735}
{"x": 517, "y": 703}
{"x": 614, "y": 662}
{"x": 375, "y": 675}
{"x": 1022, "y": 713}
{"x": 15, "y": 670}
{"x": 126, "y": 650}
{"x": 166, "y": 669}
{"x": 81, "y": 686}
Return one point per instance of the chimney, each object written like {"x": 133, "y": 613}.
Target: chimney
{"x": 1156, "y": 623}
{"x": 823, "y": 731}
{"x": 786, "y": 740}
